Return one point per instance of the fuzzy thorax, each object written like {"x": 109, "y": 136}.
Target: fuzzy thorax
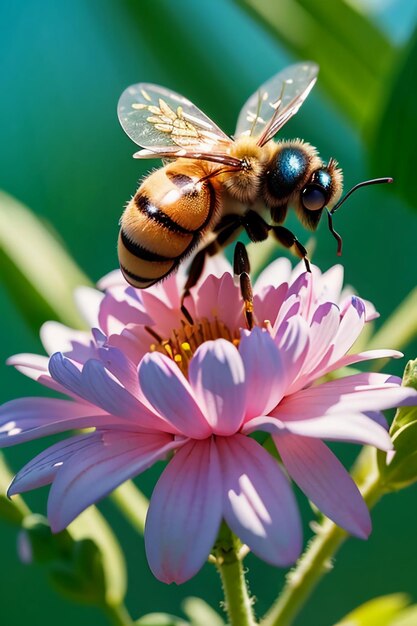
{"x": 244, "y": 185}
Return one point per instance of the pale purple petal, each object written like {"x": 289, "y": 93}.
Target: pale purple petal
{"x": 115, "y": 315}
{"x": 290, "y": 308}
{"x": 25, "y": 419}
{"x": 88, "y": 302}
{"x": 264, "y": 372}
{"x": 303, "y": 288}
{"x": 185, "y": 513}
{"x": 357, "y": 393}
{"x": 43, "y": 468}
{"x": 36, "y": 366}
{"x": 217, "y": 376}
{"x": 219, "y": 298}
{"x": 259, "y": 505}
{"x": 329, "y": 287}
{"x": 96, "y": 385}
{"x": 276, "y": 273}
{"x": 118, "y": 364}
{"x": 324, "y": 480}
{"x": 57, "y": 337}
{"x": 268, "y": 302}
{"x": 293, "y": 346}
{"x": 351, "y": 359}
{"x": 324, "y": 325}
{"x": 366, "y": 429}
{"x": 353, "y": 428}
{"x": 92, "y": 473}
{"x": 165, "y": 317}
{"x": 349, "y": 330}
{"x": 169, "y": 392}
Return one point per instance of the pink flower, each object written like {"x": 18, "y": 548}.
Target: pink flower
{"x": 151, "y": 385}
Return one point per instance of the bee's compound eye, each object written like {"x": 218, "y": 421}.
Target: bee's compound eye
{"x": 313, "y": 198}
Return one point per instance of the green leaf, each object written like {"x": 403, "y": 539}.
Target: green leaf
{"x": 200, "y": 613}
{"x": 91, "y": 524}
{"x": 376, "y": 612}
{"x": 38, "y": 272}
{"x": 393, "y": 139}
{"x": 81, "y": 578}
{"x": 333, "y": 35}
{"x": 401, "y": 470}
{"x": 407, "y": 414}
{"x": 161, "y": 619}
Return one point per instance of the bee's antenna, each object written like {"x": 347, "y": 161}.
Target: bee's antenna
{"x": 365, "y": 183}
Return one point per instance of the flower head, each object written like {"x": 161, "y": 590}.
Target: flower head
{"x": 154, "y": 387}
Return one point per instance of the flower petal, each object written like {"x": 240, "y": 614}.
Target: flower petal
{"x": 88, "y": 302}
{"x": 357, "y": 393}
{"x": 324, "y": 480}
{"x": 169, "y": 392}
{"x": 96, "y": 385}
{"x": 294, "y": 347}
{"x": 58, "y": 337}
{"x": 350, "y": 359}
{"x": 219, "y": 298}
{"x": 276, "y": 273}
{"x": 185, "y": 513}
{"x": 115, "y": 314}
{"x": 264, "y": 372}
{"x": 92, "y": 473}
{"x": 35, "y": 366}
{"x": 217, "y": 377}
{"x": 259, "y": 505}
{"x": 25, "y": 419}
{"x": 43, "y": 468}
{"x": 354, "y": 428}
{"x": 268, "y": 302}
{"x": 350, "y": 328}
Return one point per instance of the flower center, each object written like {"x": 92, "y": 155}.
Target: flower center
{"x": 184, "y": 341}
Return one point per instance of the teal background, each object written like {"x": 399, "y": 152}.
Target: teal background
{"x": 62, "y": 152}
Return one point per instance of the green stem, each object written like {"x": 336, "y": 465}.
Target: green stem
{"x": 237, "y": 601}
{"x": 118, "y": 615}
{"x": 314, "y": 563}
{"x": 132, "y": 503}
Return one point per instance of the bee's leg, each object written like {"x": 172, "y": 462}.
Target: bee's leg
{"x": 255, "y": 226}
{"x": 225, "y": 230}
{"x": 289, "y": 240}
{"x": 241, "y": 268}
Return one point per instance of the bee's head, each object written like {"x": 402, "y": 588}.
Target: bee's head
{"x": 297, "y": 177}
{"x": 322, "y": 189}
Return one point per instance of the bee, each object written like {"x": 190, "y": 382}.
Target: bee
{"x": 213, "y": 186}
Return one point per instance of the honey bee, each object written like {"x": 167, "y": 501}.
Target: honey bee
{"x": 213, "y": 186}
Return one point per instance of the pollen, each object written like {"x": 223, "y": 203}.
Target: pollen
{"x": 184, "y": 341}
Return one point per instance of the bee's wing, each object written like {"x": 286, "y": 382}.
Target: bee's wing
{"x": 161, "y": 121}
{"x": 276, "y": 101}
{"x": 176, "y": 153}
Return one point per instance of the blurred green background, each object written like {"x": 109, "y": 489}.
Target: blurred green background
{"x": 64, "y": 155}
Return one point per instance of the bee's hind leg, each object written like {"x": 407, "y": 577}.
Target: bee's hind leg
{"x": 241, "y": 268}
{"x": 225, "y": 230}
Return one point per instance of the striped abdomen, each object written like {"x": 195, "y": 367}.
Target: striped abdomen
{"x": 164, "y": 221}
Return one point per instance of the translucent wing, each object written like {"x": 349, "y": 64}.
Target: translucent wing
{"x": 276, "y": 101}
{"x": 163, "y": 121}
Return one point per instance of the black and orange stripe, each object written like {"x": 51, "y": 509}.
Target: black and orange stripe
{"x": 164, "y": 222}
